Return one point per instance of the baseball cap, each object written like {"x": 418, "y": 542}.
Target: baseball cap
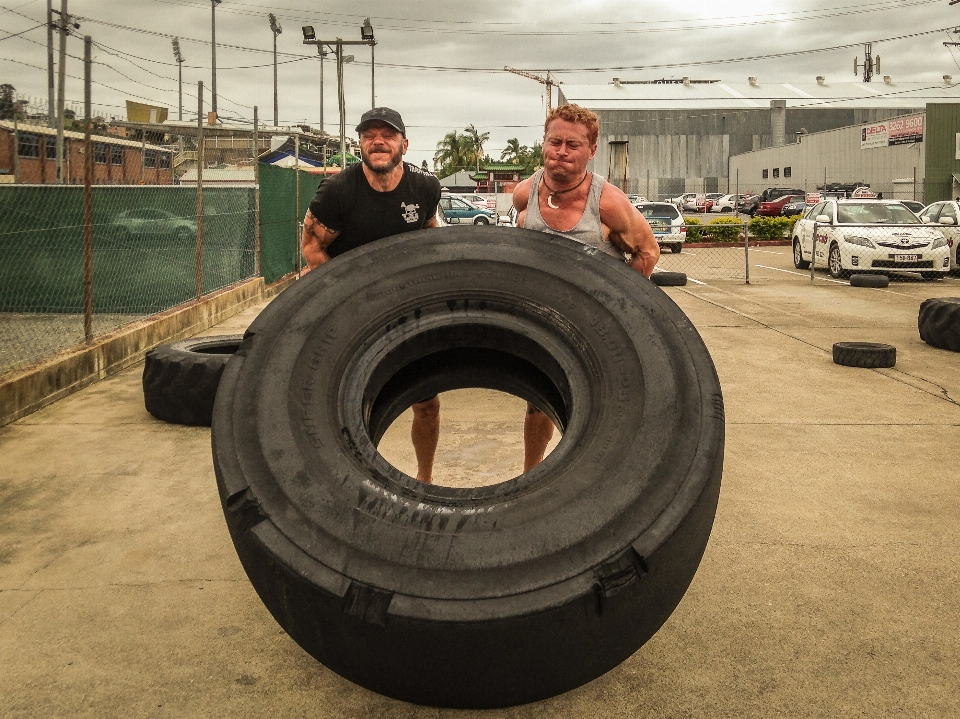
{"x": 382, "y": 114}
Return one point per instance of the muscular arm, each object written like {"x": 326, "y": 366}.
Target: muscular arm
{"x": 521, "y": 196}
{"x": 316, "y": 238}
{"x": 628, "y": 229}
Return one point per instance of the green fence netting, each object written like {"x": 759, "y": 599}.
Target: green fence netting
{"x": 280, "y": 216}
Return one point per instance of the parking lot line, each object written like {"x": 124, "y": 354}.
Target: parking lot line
{"x": 829, "y": 279}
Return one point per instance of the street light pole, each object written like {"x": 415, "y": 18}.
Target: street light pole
{"x": 213, "y": 29}
{"x": 366, "y": 34}
{"x": 51, "y": 94}
{"x": 276, "y": 30}
{"x": 179, "y": 58}
{"x": 61, "y": 87}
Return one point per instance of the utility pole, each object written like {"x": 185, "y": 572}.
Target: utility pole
{"x": 64, "y": 28}
{"x": 366, "y": 34}
{"x": 213, "y": 32}
{"x": 871, "y": 66}
{"x": 276, "y": 29}
{"x": 51, "y": 93}
{"x": 87, "y": 197}
{"x": 548, "y": 81}
{"x": 179, "y": 58}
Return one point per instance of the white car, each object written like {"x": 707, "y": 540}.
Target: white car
{"x": 487, "y": 203}
{"x": 726, "y": 203}
{"x": 869, "y": 235}
{"x": 666, "y": 222}
{"x": 684, "y": 198}
{"x": 945, "y": 216}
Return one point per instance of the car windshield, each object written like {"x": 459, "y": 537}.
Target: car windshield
{"x": 649, "y": 211}
{"x": 876, "y": 213}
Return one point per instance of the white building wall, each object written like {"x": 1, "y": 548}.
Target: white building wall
{"x": 836, "y": 155}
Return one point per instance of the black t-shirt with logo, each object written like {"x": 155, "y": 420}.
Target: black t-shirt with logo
{"x": 346, "y": 203}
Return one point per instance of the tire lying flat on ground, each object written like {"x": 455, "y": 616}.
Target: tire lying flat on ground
{"x": 870, "y": 355}
{"x": 669, "y": 279}
{"x": 864, "y": 280}
{"x": 939, "y": 322}
{"x": 482, "y": 597}
{"x": 180, "y": 379}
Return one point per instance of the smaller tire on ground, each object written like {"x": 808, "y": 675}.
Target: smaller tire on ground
{"x": 180, "y": 379}
{"x": 939, "y": 322}
{"x": 864, "y": 354}
{"x": 863, "y": 280}
{"x": 669, "y": 279}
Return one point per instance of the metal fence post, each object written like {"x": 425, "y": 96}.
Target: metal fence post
{"x": 813, "y": 252}
{"x": 256, "y": 189}
{"x": 296, "y": 204}
{"x": 200, "y": 161}
{"x": 87, "y": 199}
{"x": 746, "y": 251}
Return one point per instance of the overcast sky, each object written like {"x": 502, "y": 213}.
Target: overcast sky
{"x": 417, "y": 39}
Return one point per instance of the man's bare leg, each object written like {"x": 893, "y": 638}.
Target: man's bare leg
{"x": 425, "y": 433}
{"x": 537, "y": 433}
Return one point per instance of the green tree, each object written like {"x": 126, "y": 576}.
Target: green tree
{"x": 514, "y": 152}
{"x": 454, "y": 152}
{"x": 476, "y": 141}
{"x": 8, "y": 97}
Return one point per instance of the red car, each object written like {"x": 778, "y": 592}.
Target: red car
{"x": 773, "y": 208}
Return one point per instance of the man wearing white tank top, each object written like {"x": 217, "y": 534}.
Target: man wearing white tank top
{"x": 565, "y": 199}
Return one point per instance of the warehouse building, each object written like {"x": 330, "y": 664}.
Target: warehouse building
{"x": 914, "y": 157}
{"x": 663, "y": 138}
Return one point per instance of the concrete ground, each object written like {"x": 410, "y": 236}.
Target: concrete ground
{"x": 830, "y": 587}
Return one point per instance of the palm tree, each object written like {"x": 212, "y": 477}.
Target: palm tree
{"x": 454, "y": 152}
{"x": 514, "y": 152}
{"x": 477, "y": 141}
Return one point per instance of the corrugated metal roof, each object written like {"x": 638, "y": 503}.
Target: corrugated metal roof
{"x": 897, "y": 95}
{"x": 108, "y": 139}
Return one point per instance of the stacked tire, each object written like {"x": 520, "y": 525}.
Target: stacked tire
{"x": 939, "y": 322}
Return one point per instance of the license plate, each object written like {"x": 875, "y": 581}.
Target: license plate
{"x": 659, "y": 227}
{"x": 906, "y": 258}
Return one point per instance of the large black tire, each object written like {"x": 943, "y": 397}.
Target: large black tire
{"x": 939, "y": 322}
{"x": 864, "y": 354}
{"x": 669, "y": 279}
{"x": 483, "y": 597}
{"x": 865, "y": 280}
{"x": 180, "y": 380}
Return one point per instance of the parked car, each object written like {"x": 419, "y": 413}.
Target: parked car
{"x": 748, "y": 204}
{"x": 666, "y": 222}
{"x": 726, "y": 203}
{"x": 796, "y": 206}
{"x": 865, "y": 235}
{"x": 458, "y": 212}
{"x": 489, "y": 203}
{"x": 773, "y": 193}
{"x": 636, "y": 198}
{"x": 679, "y": 201}
{"x": 152, "y": 222}
{"x": 773, "y": 208}
{"x": 945, "y": 216}
{"x": 509, "y": 219}
{"x": 914, "y": 206}
{"x": 697, "y": 203}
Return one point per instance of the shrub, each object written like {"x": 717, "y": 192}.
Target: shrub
{"x": 770, "y": 228}
{"x": 725, "y": 229}
{"x": 694, "y": 229}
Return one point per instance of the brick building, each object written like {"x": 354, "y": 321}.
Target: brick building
{"x": 116, "y": 161}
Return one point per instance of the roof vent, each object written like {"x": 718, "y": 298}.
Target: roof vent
{"x": 948, "y": 79}
{"x": 752, "y": 81}
{"x": 821, "y": 80}
{"x": 616, "y": 82}
{"x": 888, "y": 79}
{"x": 686, "y": 81}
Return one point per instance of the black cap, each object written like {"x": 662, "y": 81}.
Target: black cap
{"x": 382, "y": 114}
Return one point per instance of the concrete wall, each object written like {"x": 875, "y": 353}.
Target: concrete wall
{"x": 689, "y": 150}
{"x": 835, "y": 154}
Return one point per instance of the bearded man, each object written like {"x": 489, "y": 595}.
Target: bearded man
{"x": 379, "y": 197}
{"x": 564, "y": 198}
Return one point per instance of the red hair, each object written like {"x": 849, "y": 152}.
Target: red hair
{"x": 577, "y": 114}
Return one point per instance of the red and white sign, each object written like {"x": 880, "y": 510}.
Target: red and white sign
{"x": 895, "y": 131}
{"x": 864, "y": 193}
{"x": 814, "y": 198}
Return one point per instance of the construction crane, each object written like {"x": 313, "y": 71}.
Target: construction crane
{"x": 548, "y": 81}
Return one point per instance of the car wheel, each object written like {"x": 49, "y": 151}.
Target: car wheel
{"x": 939, "y": 322}
{"x": 676, "y": 248}
{"x": 933, "y": 275}
{"x": 835, "y": 263}
{"x": 870, "y": 355}
{"x": 798, "y": 261}
{"x": 490, "y": 596}
{"x": 481, "y": 220}
{"x": 180, "y": 380}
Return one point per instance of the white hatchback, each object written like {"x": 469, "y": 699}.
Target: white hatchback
{"x": 946, "y": 217}
{"x": 869, "y": 235}
{"x": 666, "y": 222}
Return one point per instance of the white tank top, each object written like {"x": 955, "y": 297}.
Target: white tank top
{"x": 588, "y": 230}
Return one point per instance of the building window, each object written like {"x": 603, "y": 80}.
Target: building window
{"x": 787, "y": 171}
{"x": 776, "y": 172}
{"x": 28, "y": 145}
{"x": 150, "y": 158}
{"x": 116, "y": 155}
{"x": 164, "y": 160}
{"x": 766, "y": 174}
{"x": 51, "y": 148}
{"x": 100, "y": 153}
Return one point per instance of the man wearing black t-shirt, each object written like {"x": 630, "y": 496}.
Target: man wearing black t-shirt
{"x": 377, "y": 198}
